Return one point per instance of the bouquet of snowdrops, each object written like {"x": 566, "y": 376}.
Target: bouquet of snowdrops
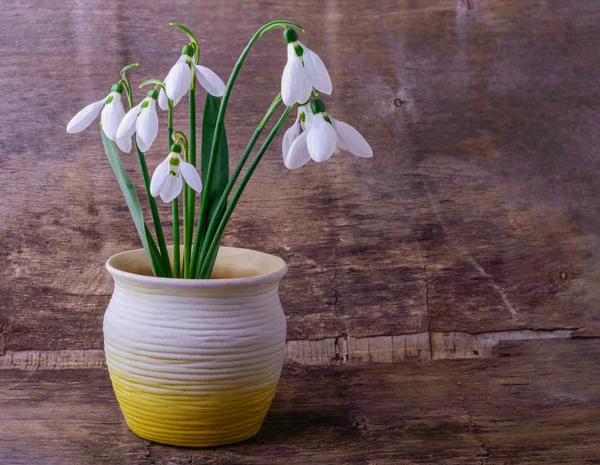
{"x": 314, "y": 135}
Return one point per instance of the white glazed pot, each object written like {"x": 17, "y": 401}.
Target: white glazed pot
{"x": 196, "y": 362}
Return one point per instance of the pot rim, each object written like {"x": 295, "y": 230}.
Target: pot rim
{"x": 272, "y": 277}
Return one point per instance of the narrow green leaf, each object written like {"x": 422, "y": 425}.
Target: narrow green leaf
{"x": 154, "y": 252}
{"x": 131, "y": 198}
{"x": 211, "y": 265}
{"x": 221, "y": 169}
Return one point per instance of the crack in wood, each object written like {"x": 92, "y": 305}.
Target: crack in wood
{"x": 472, "y": 426}
{"x": 428, "y": 310}
{"x": 423, "y": 347}
{"x": 513, "y": 309}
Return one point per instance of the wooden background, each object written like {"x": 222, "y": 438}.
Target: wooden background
{"x": 475, "y": 222}
{"x": 477, "y": 214}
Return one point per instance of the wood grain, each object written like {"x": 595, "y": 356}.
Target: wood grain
{"x": 478, "y": 212}
{"x": 537, "y": 402}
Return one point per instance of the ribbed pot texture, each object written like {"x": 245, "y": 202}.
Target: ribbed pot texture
{"x": 196, "y": 362}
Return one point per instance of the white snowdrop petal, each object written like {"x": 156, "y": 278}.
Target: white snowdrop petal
{"x": 295, "y": 87}
{"x": 288, "y": 93}
{"x": 159, "y": 177}
{"x": 321, "y": 141}
{"x": 316, "y": 71}
{"x": 297, "y": 155}
{"x": 176, "y": 101}
{"x": 289, "y": 136}
{"x": 177, "y": 82}
{"x": 171, "y": 188}
{"x": 307, "y": 116}
{"x": 287, "y": 90}
{"x": 303, "y": 87}
{"x": 124, "y": 143}
{"x": 163, "y": 101}
{"x": 112, "y": 115}
{"x": 85, "y": 117}
{"x": 142, "y": 144}
{"x": 351, "y": 139}
{"x": 191, "y": 176}
{"x": 147, "y": 125}
{"x": 211, "y": 82}
{"x": 127, "y": 126}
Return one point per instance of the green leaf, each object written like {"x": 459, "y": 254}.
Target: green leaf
{"x": 211, "y": 265}
{"x": 154, "y": 252}
{"x": 221, "y": 172}
{"x": 132, "y": 200}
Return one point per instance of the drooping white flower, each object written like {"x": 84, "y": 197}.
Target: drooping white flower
{"x": 112, "y": 113}
{"x": 301, "y": 123}
{"x": 167, "y": 177}
{"x": 303, "y": 72}
{"x": 323, "y": 136}
{"x": 179, "y": 78}
{"x": 141, "y": 120}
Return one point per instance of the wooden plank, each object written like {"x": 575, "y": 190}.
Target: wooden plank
{"x": 537, "y": 402}
{"x": 421, "y": 347}
{"x": 477, "y": 213}
{"x": 66, "y": 417}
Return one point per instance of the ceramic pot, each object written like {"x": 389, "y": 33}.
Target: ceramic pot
{"x": 196, "y": 362}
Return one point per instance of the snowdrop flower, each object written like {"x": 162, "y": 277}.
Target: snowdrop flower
{"x": 323, "y": 136}
{"x": 167, "y": 178}
{"x": 112, "y": 113}
{"x": 179, "y": 78}
{"x": 141, "y": 120}
{"x": 303, "y": 72}
{"x": 301, "y": 123}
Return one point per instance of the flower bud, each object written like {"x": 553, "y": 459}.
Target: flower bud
{"x": 290, "y": 35}
{"x": 176, "y": 148}
{"x": 317, "y": 106}
{"x": 188, "y": 50}
{"x": 117, "y": 88}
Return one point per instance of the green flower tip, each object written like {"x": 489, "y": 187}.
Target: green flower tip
{"x": 153, "y": 94}
{"x": 117, "y": 88}
{"x": 317, "y": 106}
{"x": 188, "y": 50}
{"x": 176, "y": 148}
{"x": 290, "y": 35}
{"x": 299, "y": 50}
{"x": 174, "y": 161}
{"x": 128, "y": 67}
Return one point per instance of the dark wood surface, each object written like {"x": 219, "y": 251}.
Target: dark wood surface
{"x": 478, "y": 212}
{"x": 476, "y": 221}
{"x": 537, "y": 402}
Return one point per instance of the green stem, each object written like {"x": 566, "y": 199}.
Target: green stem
{"x": 156, "y": 258}
{"x": 175, "y": 204}
{"x": 176, "y": 265}
{"x": 236, "y": 196}
{"x": 223, "y": 200}
{"x": 189, "y": 195}
{"x": 220, "y": 118}
{"x": 162, "y": 244}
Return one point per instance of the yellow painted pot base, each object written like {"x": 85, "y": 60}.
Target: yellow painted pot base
{"x": 192, "y": 419}
{"x": 196, "y": 363}
{"x": 173, "y": 440}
